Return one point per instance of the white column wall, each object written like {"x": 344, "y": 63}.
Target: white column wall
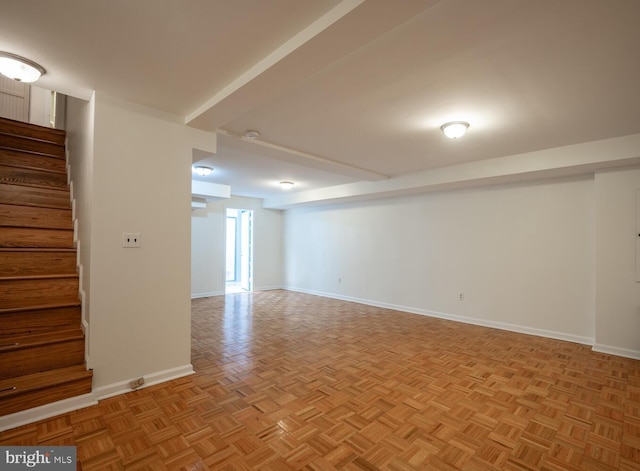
{"x": 208, "y": 251}
{"x": 140, "y": 299}
{"x": 617, "y": 291}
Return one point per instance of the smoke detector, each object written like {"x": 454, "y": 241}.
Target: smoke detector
{"x": 250, "y": 134}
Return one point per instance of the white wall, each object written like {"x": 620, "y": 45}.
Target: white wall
{"x": 522, "y": 254}
{"x": 140, "y": 298}
{"x": 40, "y": 106}
{"x": 208, "y": 243}
{"x": 617, "y": 291}
{"x": 208, "y": 251}
{"x": 80, "y": 135}
{"x": 14, "y": 99}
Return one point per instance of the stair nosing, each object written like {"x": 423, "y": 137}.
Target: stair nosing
{"x": 38, "y": 249}
{"x": 81, "y": 375}
{"x": 31, "y": 208}
{"x": 33, "y": 152}
{"x": 22, "y": 124}
{"x": 55, "y": 276}
{"x": 44, "y": 187}
{"x": 39, "y": 169}
{"x": 43, "y": 206}
{"x": 38, "y": 340}
{"x": 39, "y": 228}
{"x": 31, "y": 138}
{"x": 19, "y": 205}
{"x": 39, "y": 307}
{"x": 65, "y": 190}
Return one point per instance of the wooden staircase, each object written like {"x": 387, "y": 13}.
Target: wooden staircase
{"x": 41, "y": 340}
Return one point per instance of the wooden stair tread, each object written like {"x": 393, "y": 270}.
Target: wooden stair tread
{"x": 29, "y": 138}
{"x": 17, "y": 264}
{"x": 32, "y": 177}
{"x": 33, "y": 381}
{"x": 35, "y": 217}
{"x": 16, "y": 237}
{"x": 40, "y": 321}
{"x": 31, "y": 145}
{"x": 39, "y": 277}
{"x": 28, "y": 160}
{"x": 35, "y": 229}
{"x": 28, "y": 341}
{"x": 39, "y": 307}
{"x": 19, "y": 195}
{"x": 37, "y": 249}
{"x": 32, "y": 358}
{"x": 33, "y": 131}
{"x": 39, "y": 291}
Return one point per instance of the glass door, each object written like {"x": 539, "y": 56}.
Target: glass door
{"x": 246, "y": 250}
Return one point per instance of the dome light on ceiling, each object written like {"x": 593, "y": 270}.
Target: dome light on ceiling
{"x": 202, "y": 170}
{"x": 19, "y": 69}
{"x": 455, "y": 129}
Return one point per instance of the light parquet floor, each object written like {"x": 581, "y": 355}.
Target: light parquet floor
{"x": 292, "y": 381}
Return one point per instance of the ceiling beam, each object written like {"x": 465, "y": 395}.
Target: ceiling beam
{"x": 278, "y": 152}
{"x": 346, "y": 27}
{"x": 577, "y": 159}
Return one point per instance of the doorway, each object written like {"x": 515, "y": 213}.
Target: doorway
{"x": 239, "y": 251}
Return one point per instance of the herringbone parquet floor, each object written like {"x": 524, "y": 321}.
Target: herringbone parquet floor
{"x": 292, "y": 381}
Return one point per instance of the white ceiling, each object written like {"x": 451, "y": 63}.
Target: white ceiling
{"x": 348, "y": 91}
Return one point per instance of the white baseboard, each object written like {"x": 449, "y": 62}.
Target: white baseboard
{"x": 48, "y": 410}
{"x": 206, "y": 295}
{"x": 268, "y": 288}
{"x": 121, "y": 387}
{"x": 222, "y": 293}
{"x": 621, "y": 352}
{"x": 452, "y": 317}
{"x": 513, "y": 328}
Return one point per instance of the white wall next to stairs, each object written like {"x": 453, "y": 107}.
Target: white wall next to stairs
{"x": 80, "y": 135}
{"x": 140, "y": 298}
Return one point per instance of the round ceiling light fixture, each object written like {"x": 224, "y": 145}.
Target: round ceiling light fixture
{"x": 286, "y": 185}
{"x": 202, "y": 170}
{"x": 251, "y": 134}
{"x": 455, "y": 129}
{"x": 19, "y": 69}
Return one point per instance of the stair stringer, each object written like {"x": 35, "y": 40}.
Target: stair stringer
{"x": 79, "y": 266}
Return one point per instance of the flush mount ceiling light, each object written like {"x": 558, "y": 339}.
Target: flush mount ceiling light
{"x": 202, "y": 170}
{"x": 455, "y": 129}
{"x": 19, "y": 69}
{"x": 250, "y": 134}
{"x": 286, "y": 185}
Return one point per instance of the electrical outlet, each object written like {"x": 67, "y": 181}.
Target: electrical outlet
{"x": 461, "y": 296}
{"x": 131, "y": 240}
{"x": 136, "y": 383}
